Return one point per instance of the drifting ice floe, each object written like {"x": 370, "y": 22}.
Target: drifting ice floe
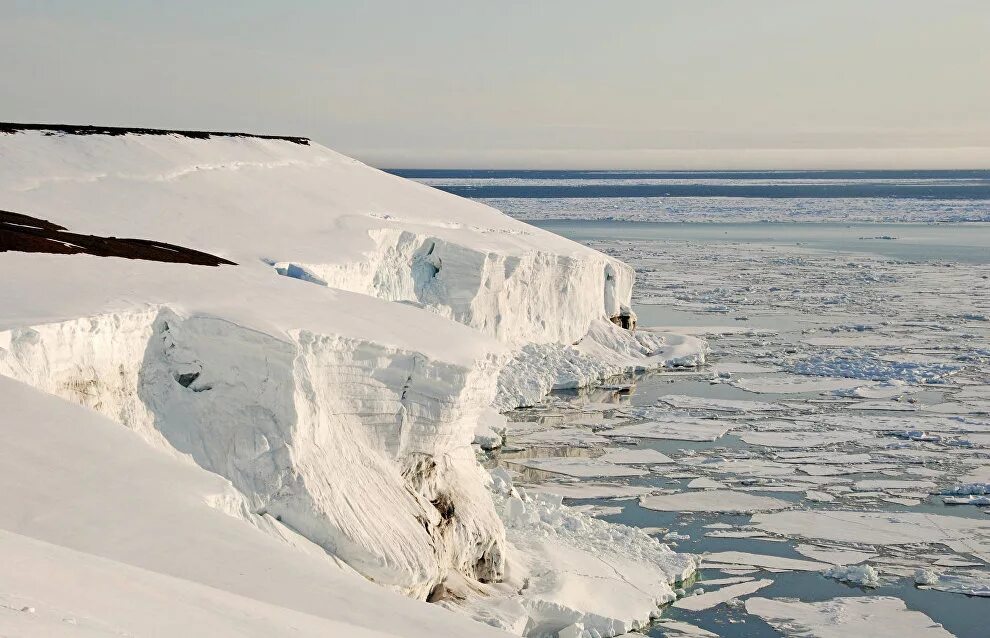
{"x": 876, "y": 616}
{"x": 769, "y": 562}
{"x": 681, "y": 429}
{"x": 719, "y": 596}
{"x": 881, "y": 528}
{"x": 712, "y": 501}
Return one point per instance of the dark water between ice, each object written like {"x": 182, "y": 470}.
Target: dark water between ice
{"x": 964, "y": 616}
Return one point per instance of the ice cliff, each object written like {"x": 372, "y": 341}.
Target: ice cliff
{"x": 335, "y": 372}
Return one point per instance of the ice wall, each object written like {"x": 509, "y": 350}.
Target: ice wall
{"x": 361, "y": 448}
{"x": 537, "y": 297}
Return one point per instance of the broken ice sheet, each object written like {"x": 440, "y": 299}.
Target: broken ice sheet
{"x": 967, "y": 535}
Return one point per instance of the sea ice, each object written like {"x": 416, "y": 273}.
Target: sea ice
{"x": 799, "y": 438}
{"x": 765, "y": 561}
{"x": 794, "y": 384}
{"x": 862, "y": 575}
{"x": 874, "y": 616}
{"x": 589, "y": 490}
{"x": 833, "y": 555}
{"x": 580, "y": 467}
{"x": 677, "y": 429}
{"x": 712, "y": 501}
{"x": 719, "y": 596}
{"x": 880, "y": 528}
{"x": 718, "y": 405}
{"x": 643, "y": 456}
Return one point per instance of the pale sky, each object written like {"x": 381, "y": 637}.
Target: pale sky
{"x": 525, "y": 84}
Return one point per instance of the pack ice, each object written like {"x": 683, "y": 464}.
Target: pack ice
{"x": 334, "y": 373}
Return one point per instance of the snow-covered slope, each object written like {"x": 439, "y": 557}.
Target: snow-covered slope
{"x": 101, "y": 535}
{"x": 344, "y": 411}
{"x": 321, "y": 216}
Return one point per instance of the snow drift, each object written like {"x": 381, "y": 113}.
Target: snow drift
{"x": 336, "y": 371}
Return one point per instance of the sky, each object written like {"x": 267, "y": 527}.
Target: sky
{"x": 525, "y": 84}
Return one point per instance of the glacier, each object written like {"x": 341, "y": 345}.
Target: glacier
{"x": 336, "y": 374}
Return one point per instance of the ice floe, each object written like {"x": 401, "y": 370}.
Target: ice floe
{"x": 875, "y": 616}
{"x": 711, "y": 599}
{"x": 712, "y": 501}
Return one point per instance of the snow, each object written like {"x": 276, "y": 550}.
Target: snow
{"x": 875, "y": 616}
{"x": 712, "y": 501}
{"x": 111, "y": 533}
{"x": 719, "y": 596}
{"x": 337, "y": 374}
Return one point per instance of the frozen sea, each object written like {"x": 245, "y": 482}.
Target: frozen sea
{"x": 839, "y": 435}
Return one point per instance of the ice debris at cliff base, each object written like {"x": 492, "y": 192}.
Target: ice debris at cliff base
{"x": 571, "y": 569}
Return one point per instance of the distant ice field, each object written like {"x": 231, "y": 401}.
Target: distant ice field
{"x": 725, "y": 196}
